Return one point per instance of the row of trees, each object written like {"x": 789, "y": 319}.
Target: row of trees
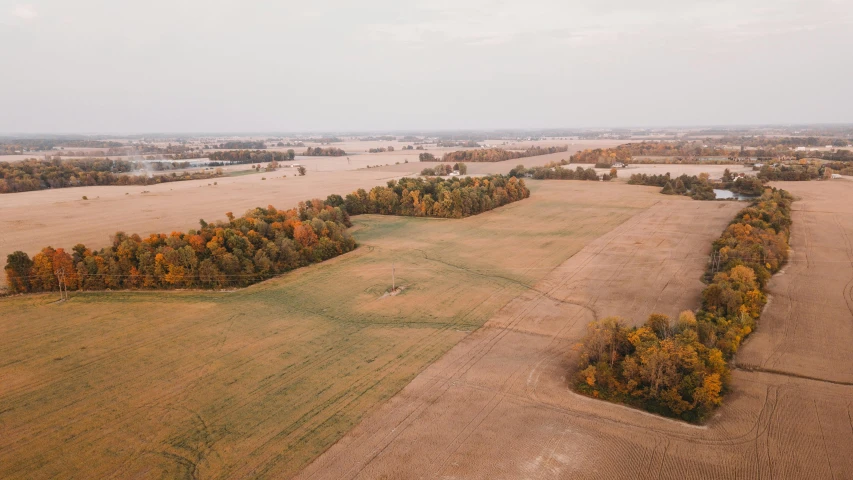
{"x": 324, "y": 152}
{"x": 492, "y": 154}
{"x": 251, "y": 156}
{"x": 35, "y": 174}
{"x": 697, "y": 187}
{"x": 443, "y": 169}
{"x": 10, "y": 146}
{"x": 625, "y": 153}
{"x": 383, "y": 149}
{"x": 555, "y": 171}
{"x": 762, "y": 141}
{"x": 244, "y": 250}
{"x": 243, "y": 145}
{"x": 791, "y": 172}
{"x": 679, "y": 368}
{"x": 262, "y": 243}
{"x": 455, "y": 197}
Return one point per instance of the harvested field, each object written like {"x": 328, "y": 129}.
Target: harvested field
{"x": 258, "y": 382}
{"x": 808, "y": 326}
{"x": 498, "y": 404}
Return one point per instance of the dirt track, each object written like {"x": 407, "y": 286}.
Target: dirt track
{"x": 498, "y": 406}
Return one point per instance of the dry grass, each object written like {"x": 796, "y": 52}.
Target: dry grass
{"x": 258, "y": 382}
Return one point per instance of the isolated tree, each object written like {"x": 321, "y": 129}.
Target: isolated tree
{"x": 301, "y": 169}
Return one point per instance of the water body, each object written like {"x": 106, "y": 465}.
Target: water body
{"x": 730, "y": 195}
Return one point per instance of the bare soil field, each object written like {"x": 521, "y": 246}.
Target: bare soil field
{"x": 808, "y": 326}
{"x": 498, "y": 404}
{"x": 256, "y": 383}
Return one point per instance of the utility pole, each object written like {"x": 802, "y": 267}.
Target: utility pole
{"x": 393, "y": 279}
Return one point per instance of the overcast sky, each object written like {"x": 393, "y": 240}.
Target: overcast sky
{"x": 104, "y": 66}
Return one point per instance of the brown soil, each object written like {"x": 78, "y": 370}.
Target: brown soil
{"x": 498, "y": 404}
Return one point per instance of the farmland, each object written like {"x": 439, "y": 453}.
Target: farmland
{"x": 260, "y": 381}
{"x": 61, "y": 218}
{"x": 497, "y": 405}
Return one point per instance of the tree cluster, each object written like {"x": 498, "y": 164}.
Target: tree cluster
{"x": 679, "y": 368}
{"x": 459, "y": 143}
{"x": 555, "y": 171}
{"x": 444, "y": 169}
{"x": 791, "y": 173}
{"x": 455, "y": 197}
{"x": 696, "y": 187}
{"x": 10, "y": 146}
{"x": 244, "y": 250}
{"x": 324, "y": 152}
{"x": 243, "y": 145}
{"x": 251, "y": 156}
{"x": 34, "y": 174}
{"x": 494, "y": 154}
{"x": 383, "y": 149}
{"x": 687, "y": 151}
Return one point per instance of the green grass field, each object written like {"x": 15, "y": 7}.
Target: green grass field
{"x": 258, "y": 382}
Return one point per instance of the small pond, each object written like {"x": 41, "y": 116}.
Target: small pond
{"x": 730, "y": 195}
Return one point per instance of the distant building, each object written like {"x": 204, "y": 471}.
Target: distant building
{"x": 835, "y": 175}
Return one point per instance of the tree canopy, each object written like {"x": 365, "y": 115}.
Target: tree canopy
{"x": 678, "y": 368}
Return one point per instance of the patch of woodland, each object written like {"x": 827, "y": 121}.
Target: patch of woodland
{"x": 262, "y": 243}
{"x": 681, "y": 368}
{"x": 444, "y": 170}
{"x": 249, "y": 156}
{"x": 555, "y": 171}
{"x": 491, "y": 154}
{"x": 243, "y": 250}
{"x": 453, "y": 197}
{"x": 324, "y": 152}
{"x": 42, "y": 174}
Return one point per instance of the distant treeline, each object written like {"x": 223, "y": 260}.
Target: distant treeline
{"x": 679, "y": 368}
{"x": 324, "y": 152}
{"x": 381, "y": 138}
{"x": 324, "y": 140}
{"x": 442, "y": 169}
{"x": 382, "y": 149}
{"x": 791, "y": 172}
{"x": 696, "y": 187}
{"x": 785, "y": 142}
{"x": 461, "y": 143}
{"x": 491, "y": 154}
{"x": 34, "y": 174}
{"x": 262, "y": 243}
{"x": 625, "y": 153}
{"x": 455, "y": 197}
{"x": 250, "y": 156}
{"x": 555, "y": 171}
{"x": 19, "y": 145}
{"x": 250, "y": 145}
